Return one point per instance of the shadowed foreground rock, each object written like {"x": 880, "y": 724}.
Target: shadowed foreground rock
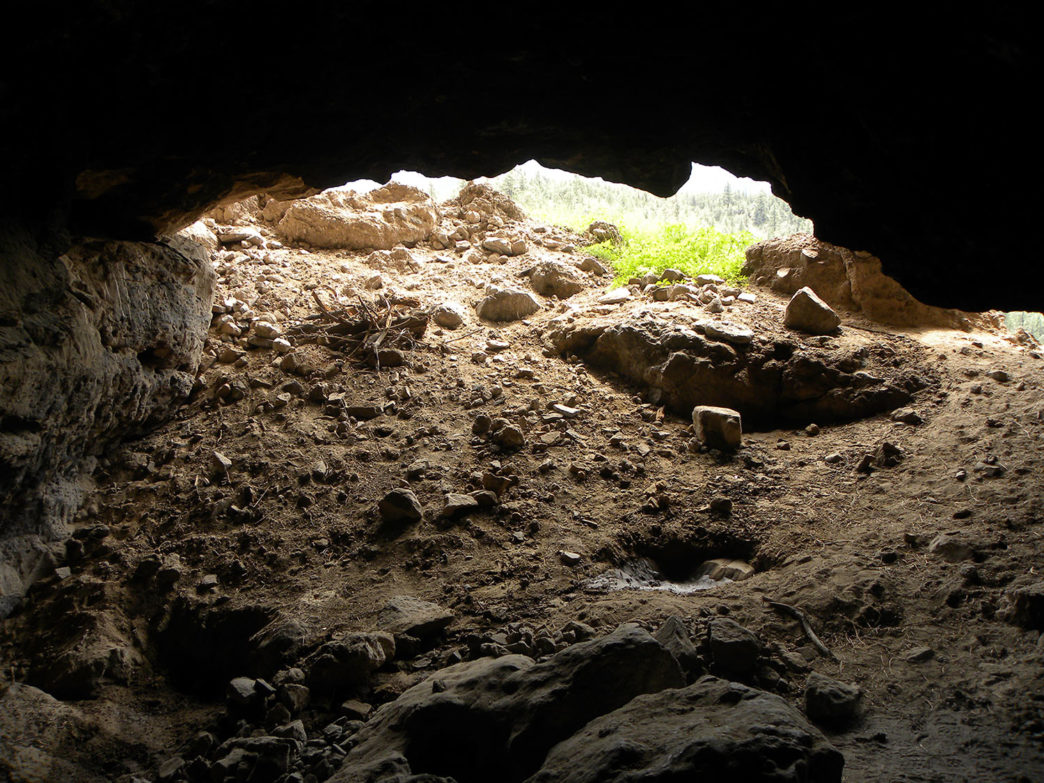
{"x": 714, "y": 727}
{"x": 495, "y": 719}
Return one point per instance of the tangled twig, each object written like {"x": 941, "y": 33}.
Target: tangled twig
{"x": 806, "y": 626}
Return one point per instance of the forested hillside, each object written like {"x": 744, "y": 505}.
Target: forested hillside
{"x": 576, "y": 200}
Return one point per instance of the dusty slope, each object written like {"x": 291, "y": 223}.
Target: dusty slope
{"x": 289, "y": 525}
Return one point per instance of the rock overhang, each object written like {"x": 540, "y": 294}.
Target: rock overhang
{"x": 895, "y": 139}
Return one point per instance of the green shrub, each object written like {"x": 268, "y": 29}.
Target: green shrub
{"x": 692, "y": 251}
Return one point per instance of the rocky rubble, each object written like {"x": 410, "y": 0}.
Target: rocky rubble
{"x": 768, "y": 382}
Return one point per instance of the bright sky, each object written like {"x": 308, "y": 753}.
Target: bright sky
{"x": 704, "y": 179}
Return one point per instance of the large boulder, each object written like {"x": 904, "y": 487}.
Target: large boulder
{"x": 714, "y": 729}
{"x": 381, "y": 219}
{"x": 496, "y": 719}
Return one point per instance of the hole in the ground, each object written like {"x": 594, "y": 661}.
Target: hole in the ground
{"x": 204, "y": 647}
{"x": 675, "y": 562}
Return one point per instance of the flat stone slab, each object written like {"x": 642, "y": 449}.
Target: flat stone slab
{"x": 405, "y": 614}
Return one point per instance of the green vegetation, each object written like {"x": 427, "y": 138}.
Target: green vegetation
{"x": 698, "y": 251}
{"x": 695, "y": 232}
{"x": 1031, "y": 322}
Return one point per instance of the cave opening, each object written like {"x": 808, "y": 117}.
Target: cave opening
{"x": 445, "y": 431}
{"x": 320, "y": 487}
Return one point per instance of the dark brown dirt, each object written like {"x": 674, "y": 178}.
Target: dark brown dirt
{"x": 292, "y": 532}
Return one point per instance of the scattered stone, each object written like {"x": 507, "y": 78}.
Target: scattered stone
{"x": 391, "y": 357}
{"x": 812, "y": 430}
{"x": 509, "y": 437}
{"x": 565, "y": 410}
{"x": 353, "y": 709}
{"x": 293, "y": 696}
{"x": 340, "y": 666}
{"x": 415, "y": 617}
{"x": 746, "y": 297}
{"x": 729, "y": 333}
{"x": 458, "y": 505}
{"x": 832, "y": 703}
{"x": 219, "y": 464}
{"x": 709, "y": 280}
{"x": 593, "y": 266}
{"x": 672, "y": 275}
{"x": 887, "y": 455}
{"x": 715, "y": 305}
{"x": 721, "y": 505}
{"x": 503, "y": 246}
{"x": 481, "y": 424}
{"x": 170, "y": 769}
{"x": 674, "y": 636}
{"x": 508, "y": 304}
{"x": 919, "y": 655}
{"x": 207, "y": 584}
{"x": 1028, "y": 606}
{"x": 266, "y": 330}
{"x": 733, "y": 649}
{"x": 724, "y": 568}
{"x": 228, "y": 355}
{"x": 718, "y": 428}
{"x": 364, "y": 412}
{"x": 833, "y": 458}
{"x": 615, "y": 296}
{"x": 906, "y": 416}
{"x": 950, "y": 548}
{"x": 569, "y": 558}
{"x": 448, "y": 315}
{"x": 241, "y": 692}
{"x": 806, "y": 312}
{"x": 1000, "y": 376}
{"x": 400, "y": 506}
{"x": 990, "y": 469}
{"x": 553, "y": 278}
{"x": 294, "y": 730}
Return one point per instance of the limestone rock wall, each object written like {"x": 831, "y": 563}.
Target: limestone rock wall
{"x": 95, "y": 345}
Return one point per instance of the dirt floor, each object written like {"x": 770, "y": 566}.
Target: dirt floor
{"x": 257, "y": 507}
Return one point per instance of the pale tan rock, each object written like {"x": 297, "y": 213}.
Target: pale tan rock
{"x": 718, "y": 428}
{"x": 381, "y": 219}
{"x": 806, "y": 312}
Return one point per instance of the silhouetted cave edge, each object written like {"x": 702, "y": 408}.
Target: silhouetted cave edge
{"x": 903, "y": 134}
